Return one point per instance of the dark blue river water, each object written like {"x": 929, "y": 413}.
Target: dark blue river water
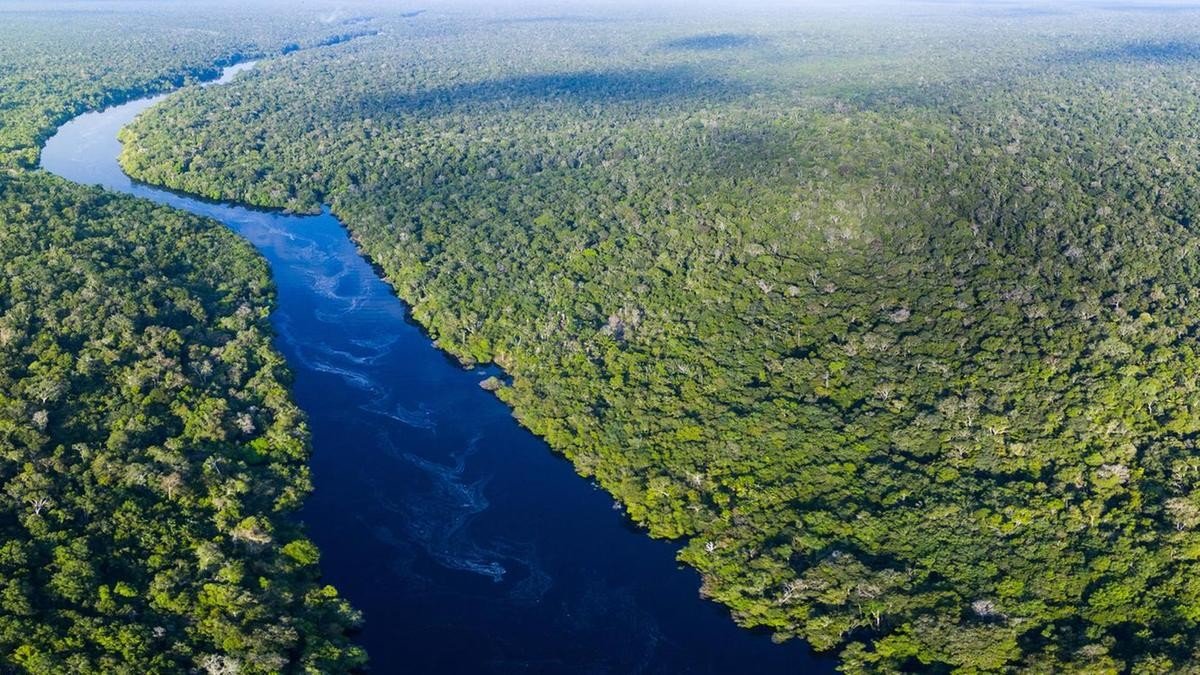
{"x": 469, "y": 546}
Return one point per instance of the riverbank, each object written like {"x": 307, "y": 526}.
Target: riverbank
{"x": 465, "y": 541}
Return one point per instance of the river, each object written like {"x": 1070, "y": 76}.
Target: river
{"x": 467, "y": 543}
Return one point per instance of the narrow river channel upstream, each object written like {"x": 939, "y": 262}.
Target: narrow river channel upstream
{"x": 467, "y": 543}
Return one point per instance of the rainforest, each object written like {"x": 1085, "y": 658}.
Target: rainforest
{"x": 882, "y": 317}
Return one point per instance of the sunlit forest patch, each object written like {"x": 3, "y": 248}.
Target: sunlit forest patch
{"x": 884, "y": 309}
{"x": 886, "y": 312}
{"x": 151, "y": 457}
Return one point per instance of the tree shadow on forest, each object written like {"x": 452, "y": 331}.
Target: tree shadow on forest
{"x": 1169, "y": 52}
{"x": 938, "y": 96}
{"x": 712, "y": 42}
{"x": 584, "y": 87}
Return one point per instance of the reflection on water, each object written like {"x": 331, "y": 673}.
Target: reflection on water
{"x": 467, "y": 544}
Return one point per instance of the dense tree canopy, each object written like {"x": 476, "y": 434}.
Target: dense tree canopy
{"x": 896, "y": 327}
{"x": 151, "y": 458}
{"x": 57, "y": 61}
{"x": 149, "y": 451}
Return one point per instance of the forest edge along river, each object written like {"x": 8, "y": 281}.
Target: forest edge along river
{"x": 466, "y": 542}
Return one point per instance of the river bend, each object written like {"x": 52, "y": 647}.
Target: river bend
{"x": 467, "y": 543}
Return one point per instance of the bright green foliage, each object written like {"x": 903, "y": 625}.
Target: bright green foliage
{"x": 135, "y": 369}
{"x": 893, "y": 319}
{"x": 151, "y": 459}
{"x": 57, "y": 61}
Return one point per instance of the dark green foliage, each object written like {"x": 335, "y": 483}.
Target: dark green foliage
{"x": 149, "y": 453}
{"x": 901, "y": 338}
{"x": 151, "y": 459}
